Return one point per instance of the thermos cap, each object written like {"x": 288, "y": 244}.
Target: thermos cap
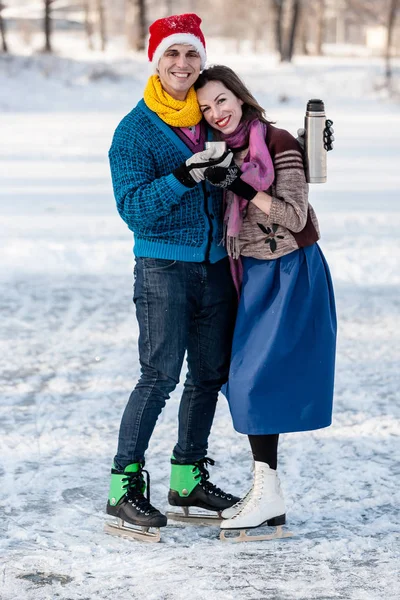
{"x": 315, "y": 105}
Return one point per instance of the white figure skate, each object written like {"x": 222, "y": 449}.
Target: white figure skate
{"x": 264, "y": 505}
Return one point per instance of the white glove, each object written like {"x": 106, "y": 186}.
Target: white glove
{"x": 192, "y": 171}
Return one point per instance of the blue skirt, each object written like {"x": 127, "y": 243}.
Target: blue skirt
{"x": 283, "y": 355}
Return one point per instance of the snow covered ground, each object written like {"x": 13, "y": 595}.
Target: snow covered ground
{"x": 68, "y": 353}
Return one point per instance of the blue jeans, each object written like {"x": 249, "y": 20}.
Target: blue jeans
{"x": 180, "y": 307}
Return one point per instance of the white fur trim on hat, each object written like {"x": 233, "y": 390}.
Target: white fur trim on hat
{"x": 180, "y": 38}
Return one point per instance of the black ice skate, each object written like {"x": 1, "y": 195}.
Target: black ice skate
{"x": 128, "y": 504}
{"x": 190, "y": 487}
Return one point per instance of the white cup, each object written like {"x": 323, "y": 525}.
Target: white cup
{"x": 219, "y": 145}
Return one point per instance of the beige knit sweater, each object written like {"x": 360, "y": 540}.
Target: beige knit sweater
{"x": 292, "y": 222}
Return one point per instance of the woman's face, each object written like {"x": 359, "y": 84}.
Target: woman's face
{"x": 221, "y": 108}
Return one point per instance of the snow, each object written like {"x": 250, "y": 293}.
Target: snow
{"x": 68, "y": 352}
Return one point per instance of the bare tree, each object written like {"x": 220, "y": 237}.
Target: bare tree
{"x": 169, "y": 7}
{"x": 88, "y": 24}
{"x": 47, "y": 25}
{"x": 374, "y": 10}
{"x": 4, "y": 45}
{"x": 142, "y": 23}
{"x": 259, "y": 25}
{"x": 102, "y": 24}
{"x": 303, "y": 31}
{"x": 277, "y": 7}
{"x": 320, "y": 26}
{"x": 136, "y": 24}
{"x": 294, "y": 22}
{"x": 390, "y": 26}
{"x": 287, "y": 19}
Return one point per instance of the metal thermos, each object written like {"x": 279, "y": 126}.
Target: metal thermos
{"x": 314, "y": 124}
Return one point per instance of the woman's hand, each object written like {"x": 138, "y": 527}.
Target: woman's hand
{"x": 229, "y": 178}
{"x": 329, "y": 138}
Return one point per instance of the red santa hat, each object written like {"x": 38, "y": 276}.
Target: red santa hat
{"x": 178, "y": 29}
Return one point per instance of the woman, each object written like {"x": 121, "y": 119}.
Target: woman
{"x": 283, "y": 355}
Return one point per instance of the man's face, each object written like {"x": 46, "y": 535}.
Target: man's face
{"x": 178, "y": 68}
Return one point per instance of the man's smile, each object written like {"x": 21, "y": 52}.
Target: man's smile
{"x": 180, "y": 75}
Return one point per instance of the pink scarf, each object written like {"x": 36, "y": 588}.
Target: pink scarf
{"x": 258, "y": 171}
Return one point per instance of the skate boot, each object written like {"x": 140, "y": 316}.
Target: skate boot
{"x": 190, "y": 487}
{"x": 264, "y": 505}
{"x": 128, "y": 503}
{"x": 230, "y": 512}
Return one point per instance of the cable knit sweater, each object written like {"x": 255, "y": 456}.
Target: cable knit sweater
{"x": 168, "y": 219}
{"x": 292, "y": 222}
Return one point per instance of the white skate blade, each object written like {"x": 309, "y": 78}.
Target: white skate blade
{"x": 194, "y": 518}
{"x": 243, "y": 536}
{"x": 143, "y": 534}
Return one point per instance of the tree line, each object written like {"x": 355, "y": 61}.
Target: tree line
{"x": 290, "y": 24}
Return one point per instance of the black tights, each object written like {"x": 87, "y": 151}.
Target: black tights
{"x": 265, "y": 449}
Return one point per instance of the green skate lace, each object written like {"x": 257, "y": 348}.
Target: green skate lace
{"x": 204, "y": 476}
{"x": 134, "y": 486}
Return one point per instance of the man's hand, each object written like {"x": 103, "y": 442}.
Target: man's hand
{"x": 192, "y": 171}
{"x": 229, "y": 178}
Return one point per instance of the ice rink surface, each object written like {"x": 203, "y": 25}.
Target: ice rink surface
{"x": 68, "y": 355}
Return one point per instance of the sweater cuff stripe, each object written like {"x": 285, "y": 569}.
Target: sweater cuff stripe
{"x": 176, "y": 186}
{"x": 276, "y": 214}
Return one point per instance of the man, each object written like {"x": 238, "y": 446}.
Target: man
{"x": 184, "y": 296}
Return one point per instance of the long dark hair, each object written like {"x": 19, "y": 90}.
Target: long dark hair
{"x": 251, "y": 108}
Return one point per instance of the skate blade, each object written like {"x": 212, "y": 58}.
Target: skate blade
{"x": 143, "y": 534}
{"x": 243, "y": 536}
{"x": 194, "y": 518}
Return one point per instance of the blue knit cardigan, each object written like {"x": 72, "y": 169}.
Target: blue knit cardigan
{"x": 168, "y": 219}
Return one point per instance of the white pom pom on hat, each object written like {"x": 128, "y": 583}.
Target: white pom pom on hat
{"x": 177, "y": 29}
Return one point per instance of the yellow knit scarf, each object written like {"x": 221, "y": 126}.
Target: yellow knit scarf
{"x": 178, "y": 113}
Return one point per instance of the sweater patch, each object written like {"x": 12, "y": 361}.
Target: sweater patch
{"x": 271, "y": 238}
